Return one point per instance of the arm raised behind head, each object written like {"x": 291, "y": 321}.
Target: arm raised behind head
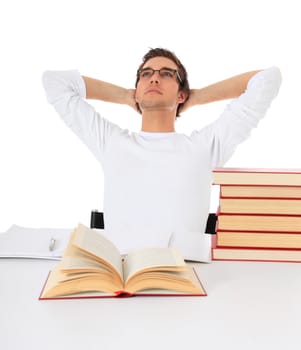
{"x": 222, "y": 90}
{"x": 100, "y": 90}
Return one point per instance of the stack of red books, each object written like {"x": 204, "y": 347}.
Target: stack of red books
{"x": 259, "y": 216}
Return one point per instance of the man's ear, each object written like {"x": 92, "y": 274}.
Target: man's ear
{"x": 182, "y": 96}
{"x": 137, "y": 102}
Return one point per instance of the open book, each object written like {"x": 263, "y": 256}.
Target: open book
{"x": 92, "y": 266}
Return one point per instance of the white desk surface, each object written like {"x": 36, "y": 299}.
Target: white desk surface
{"x": 250, "y": 305}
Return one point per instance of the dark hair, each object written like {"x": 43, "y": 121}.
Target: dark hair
{"x": 159, "y": 52}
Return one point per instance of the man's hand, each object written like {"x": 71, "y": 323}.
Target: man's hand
{"x": 130, "y": 100}
{"x": 190, "y": 101}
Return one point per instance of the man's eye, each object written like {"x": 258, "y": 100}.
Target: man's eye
{"x": 166, "y": 73}
{"x": 146, "y": 74}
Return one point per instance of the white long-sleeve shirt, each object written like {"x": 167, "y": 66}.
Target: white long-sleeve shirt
{"x": 157, "y": 185}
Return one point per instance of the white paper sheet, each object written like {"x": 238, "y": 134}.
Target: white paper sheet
{"x": 195, "y": 246}
{"x": 35, "y": 243}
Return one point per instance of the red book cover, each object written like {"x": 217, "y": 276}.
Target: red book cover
{"x": 243, "y": 239}
{"x": 260, "y": 192}
{"x": 258, "y": 222}
{"x": 258, "y": 170}
{"x": 260, "y": 206}
{"x": 254, "y": 254}
{"x": 257, "y": 176}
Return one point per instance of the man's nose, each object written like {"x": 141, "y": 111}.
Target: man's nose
{"x": 155, "y": 78}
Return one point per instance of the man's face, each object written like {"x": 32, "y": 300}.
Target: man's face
{"x": 156, "y": 91}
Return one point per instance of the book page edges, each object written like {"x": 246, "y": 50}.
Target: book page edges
{"x": 124, "y": 293}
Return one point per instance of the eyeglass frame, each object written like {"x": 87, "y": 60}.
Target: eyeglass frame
{"x": 174, "y": 71}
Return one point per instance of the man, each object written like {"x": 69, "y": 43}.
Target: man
{"x": 157, "y": 182}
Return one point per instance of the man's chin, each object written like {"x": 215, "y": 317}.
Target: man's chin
{"x": 150, "y": 106}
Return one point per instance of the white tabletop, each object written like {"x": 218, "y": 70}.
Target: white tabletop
{"x": 250, "y": 305}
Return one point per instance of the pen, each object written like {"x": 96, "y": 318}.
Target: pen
{"x": 52, "y": 244}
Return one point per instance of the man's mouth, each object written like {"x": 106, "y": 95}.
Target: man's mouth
{"x": 153, "y": 91}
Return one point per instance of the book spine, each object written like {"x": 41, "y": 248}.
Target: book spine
{"x": 260, "y": 206}
{"x": 214, "y": 258}
{"x": 258, "y": 170}
{"x": 265, "y": 206}
{"x": 239, "y": 254}
{"x": 254, "y": 223}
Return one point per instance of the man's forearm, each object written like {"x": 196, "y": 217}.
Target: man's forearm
{"x": 223, "y": 90}
{"x": 100, "y": 90}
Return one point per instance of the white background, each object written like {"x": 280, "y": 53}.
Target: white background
{"x": 48, "y": 178}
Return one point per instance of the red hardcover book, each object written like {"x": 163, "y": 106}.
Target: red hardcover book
{"x": 257, "y": 176}
{"x": 260, "y": 191}
{"x": 259, "y": 223}
{"x": 92, "y": 267}
{"x": 242, "y": 239}
{"x": 269, "y": 206}
{"x": 254, "y": 254}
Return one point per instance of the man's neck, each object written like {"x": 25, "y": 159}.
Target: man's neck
{"x": 158, "y": 121}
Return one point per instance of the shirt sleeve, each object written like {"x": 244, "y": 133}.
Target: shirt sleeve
{"x": 241, "y": 115}
{"x": 66, "y": 92}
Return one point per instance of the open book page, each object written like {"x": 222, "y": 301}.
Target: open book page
{"x": 168, "y": 259}
{"x": 162, "y": 270}
{"x": 159, "y": 271}
{"x": 76, "y": 267}
{"x": 61, "y": 285}
{"x": 92, "y": 242}
{"x": 177, "y": 283}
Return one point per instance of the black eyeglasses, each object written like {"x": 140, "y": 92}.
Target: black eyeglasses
{"x": 168, "y": 73}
